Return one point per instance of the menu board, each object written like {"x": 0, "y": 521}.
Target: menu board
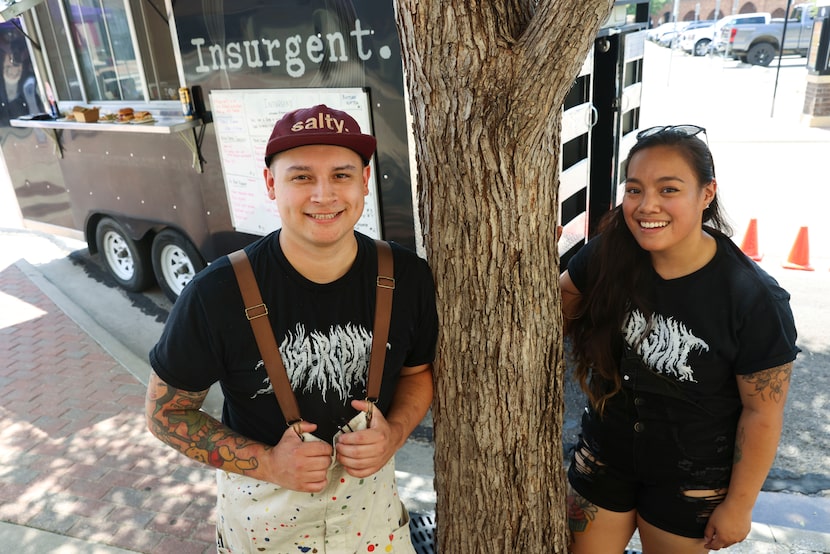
{"x": 244, "y": 120}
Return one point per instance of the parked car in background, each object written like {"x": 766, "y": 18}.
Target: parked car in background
{"x": 668, "y": 38}
{"x": 760, "y": 44}
{"x": 654, "y": 32}
{"x": 696, "y": 38}
{"x": 658, "y": 33}
{"x": 724, "y": 27}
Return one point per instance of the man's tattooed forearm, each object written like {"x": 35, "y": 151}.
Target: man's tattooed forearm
{"x": 180, "y": 423}
{"x": 214, "y": 450}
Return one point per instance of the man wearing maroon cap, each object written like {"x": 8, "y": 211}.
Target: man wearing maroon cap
{"x": 325, "y": 484}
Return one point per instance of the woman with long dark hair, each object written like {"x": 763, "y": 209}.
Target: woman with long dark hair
{"x": 18, "y": 92}
{"x": 684, "y": 347}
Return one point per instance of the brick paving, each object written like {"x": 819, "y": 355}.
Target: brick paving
{"x": 76, "y": 458}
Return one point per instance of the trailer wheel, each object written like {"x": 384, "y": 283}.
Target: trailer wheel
{"x": 175, "y": 262}
{"x": 126, "y": 260}
{"x": 761, "y": 54}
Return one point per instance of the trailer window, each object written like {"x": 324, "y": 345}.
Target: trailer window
{"x": 156, "y": 47}
{"x": 56, "y": 42}
{"x": 105, "y": 50}
{"x": 109, "y": 50}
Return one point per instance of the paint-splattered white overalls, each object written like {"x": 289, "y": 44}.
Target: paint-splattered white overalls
{"x": 360, "y": 515}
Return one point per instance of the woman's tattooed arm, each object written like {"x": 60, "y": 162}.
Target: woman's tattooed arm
{"x": 770, "y": 384}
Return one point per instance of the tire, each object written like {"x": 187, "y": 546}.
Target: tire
{"x": 127, "y": 260}
{"x": 701, "y": 47}
{"x": 761, "y": 54}
{"x": 175, "y": 262}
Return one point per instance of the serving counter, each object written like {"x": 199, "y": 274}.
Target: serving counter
{"x": 186, "y": 130}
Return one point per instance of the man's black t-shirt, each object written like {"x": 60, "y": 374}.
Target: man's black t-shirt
{"x": 324, "y": 333}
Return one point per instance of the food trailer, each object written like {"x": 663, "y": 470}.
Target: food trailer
{"x": 161, "y": 196}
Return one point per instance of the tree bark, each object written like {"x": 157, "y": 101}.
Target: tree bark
{"x": 486, "y": 82}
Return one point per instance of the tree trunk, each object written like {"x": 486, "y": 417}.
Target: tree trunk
{"x": 486, "y": 82}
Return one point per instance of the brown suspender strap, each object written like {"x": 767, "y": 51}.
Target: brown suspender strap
{"x": 383, "y": 313}
{"x": 257, "y": 313}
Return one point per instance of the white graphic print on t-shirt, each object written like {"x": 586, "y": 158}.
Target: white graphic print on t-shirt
{"x": 331, "y": 363}
{"x": 664, "y": 344}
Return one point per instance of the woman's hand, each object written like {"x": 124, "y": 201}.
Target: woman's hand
{"x": 728, "y": 524}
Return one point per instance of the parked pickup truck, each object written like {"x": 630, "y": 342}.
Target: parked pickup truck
{"x": 760, "y": 44}
{"x": 722, "y": 29}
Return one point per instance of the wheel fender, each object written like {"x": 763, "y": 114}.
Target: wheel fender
{"x": 136, "y": 229}
{"x": 765, "y": 40}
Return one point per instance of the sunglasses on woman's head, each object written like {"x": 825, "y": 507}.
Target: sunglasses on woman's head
{"x": 685, "y": 130}
{"x": 678, "y": 130}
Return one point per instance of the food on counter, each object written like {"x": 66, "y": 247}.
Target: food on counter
{"x": 142, "y": 116}
{"x": 126, "y": 114}
{"x": 85, "y": 115}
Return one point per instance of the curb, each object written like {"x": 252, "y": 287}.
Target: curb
{"x": 19, "y": 539}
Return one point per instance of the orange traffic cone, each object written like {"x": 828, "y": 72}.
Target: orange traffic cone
{"x": 749, "y": 246}
{"x": 800, "y": 254}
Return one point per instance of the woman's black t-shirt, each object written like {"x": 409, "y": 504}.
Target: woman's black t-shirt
{"x": 729, "y": 318}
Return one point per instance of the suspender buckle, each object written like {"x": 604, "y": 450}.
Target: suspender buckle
{"x": 370, "y": 410}
{"x": 295, "y": 424}
{"x": 386, "y": 282}
{"x": 254, "y": 312}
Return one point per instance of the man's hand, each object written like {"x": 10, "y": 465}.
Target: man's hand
{"x": 297, "y": 465}
{"x": 365, "y": 452}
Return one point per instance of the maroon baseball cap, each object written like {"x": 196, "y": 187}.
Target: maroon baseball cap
{"x": 319, "y": 125}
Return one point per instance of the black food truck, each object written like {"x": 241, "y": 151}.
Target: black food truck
{"x": 139, "y": 125}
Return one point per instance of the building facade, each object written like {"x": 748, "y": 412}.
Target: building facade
{"x": 689, "y": 10}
